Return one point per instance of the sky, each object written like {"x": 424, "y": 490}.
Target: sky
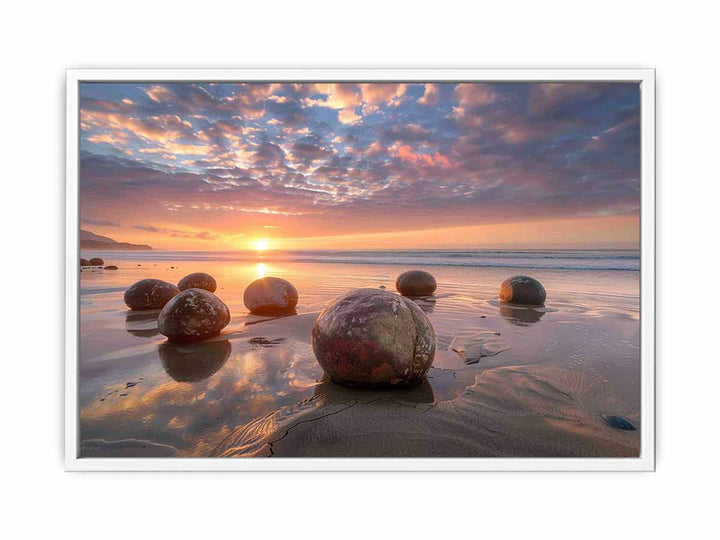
{"x": 225, "y": 166}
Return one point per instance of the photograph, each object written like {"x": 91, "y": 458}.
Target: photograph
{"x": 382, "y": 269}
{"x": 440, "y": 267}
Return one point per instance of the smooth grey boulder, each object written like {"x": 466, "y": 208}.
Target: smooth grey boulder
{"x": 198, "y": 280}
{"x": 150, "y": 294}
{"x": 371, "y": 337}
{"x": 193, "y": 315}
{"x": 416, "y": 283}
{"x": 522, "y": 290}
{"x": 270, "y": 296}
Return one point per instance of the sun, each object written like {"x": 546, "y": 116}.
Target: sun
{"x": 261, "y": 244}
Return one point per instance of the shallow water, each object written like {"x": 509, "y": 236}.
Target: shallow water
{"x": 140, "y": 395}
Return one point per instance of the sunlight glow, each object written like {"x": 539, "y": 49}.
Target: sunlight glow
{"x": 261, "y": 270}
{"x": 261, "y": 244}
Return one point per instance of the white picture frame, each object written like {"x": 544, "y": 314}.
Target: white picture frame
{"x": 646, "y": 460}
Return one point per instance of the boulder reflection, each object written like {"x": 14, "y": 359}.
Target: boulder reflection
{"x": 281, "y": 314}
{"x": 195, "y": 361}
{"x": 519, "y": 315}
{"x": 142, "y": 324}
{"x": 329, "y": 392}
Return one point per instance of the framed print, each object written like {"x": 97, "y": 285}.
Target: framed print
{"x": 383, "y": 269}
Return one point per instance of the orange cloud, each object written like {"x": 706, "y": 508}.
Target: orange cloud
{"x": 155, "y": 128}
{"x": 431, "y": 95}
{"x": 471, "y": 95}
{"x": 406, "y": 153}
{"x": 117, "y": 137}
{"x": 175, "y": 148}
{"x": 348, "y": 116}
{"x": 158, "y": 93}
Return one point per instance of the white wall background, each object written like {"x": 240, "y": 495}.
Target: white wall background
{"x": 39, "y": 40}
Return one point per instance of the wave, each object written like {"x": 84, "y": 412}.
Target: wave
{"x": 548, "y": 259}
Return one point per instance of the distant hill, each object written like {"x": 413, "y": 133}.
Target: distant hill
{"x": 90, "y": 240}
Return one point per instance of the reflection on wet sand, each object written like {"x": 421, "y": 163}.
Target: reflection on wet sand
{"x": 521, "y": 316}
{"x": 142, "y": 324}
{"x": 327, "y": 392}
{"x": 255, "y": 319}
{"x": 194, "y": 362}
{"x": 523, "y": 411}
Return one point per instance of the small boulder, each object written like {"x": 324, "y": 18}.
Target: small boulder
{"x": 522, "y": 290}
{"x": 111, "y": 267}
{"x": 617, "y": 422}
{"x": 84, "y": 262}
{"x": 416, "y": 283}
{"x": 150, "y": 294}
{"x": 96, "y": 261}
{"x": 270, "y": 296}
{"x": 193, "y": 315}
{"x": 198, "y": 280}
{"x": 371, "y": 337}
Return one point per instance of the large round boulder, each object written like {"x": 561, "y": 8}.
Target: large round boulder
{"x": 96, "y": 261}
{"x": 522, "y": 290}
{"x": 193, "y": 315}
{"x": 150, "y": 294}
{"x": 84, "y": 262}
{"x": 270, "y": 296}
{"x": 416, "y": 283}
{"x": 198, "y": 280}
{"x": 371, "y": 337}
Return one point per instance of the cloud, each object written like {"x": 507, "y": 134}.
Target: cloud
{"x": 349, "y": 157}
{"x": 147, "y": 228}
{"x": 99, "y": 222}
{"x": 159, "y": 93}
{"x": 347, "y": 116}
{"x": 431, "y": 95}
{"x": 336, "y": 96}
{"x": 406, "y": 153}
{"x": 471, "y": 95}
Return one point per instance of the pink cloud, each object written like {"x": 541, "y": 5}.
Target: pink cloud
{"x": 406, "y": 153}
{"x": 431, "y": 95}
{"x": 470, "y": 95}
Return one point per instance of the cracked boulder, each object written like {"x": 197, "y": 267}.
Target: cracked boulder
{"x": 193, "y": 315}
{"x": 522, "y": 290}
{"x": 371, "y": 337}
{"x": 149, "y": 294}
{"x": 270, "y": 296}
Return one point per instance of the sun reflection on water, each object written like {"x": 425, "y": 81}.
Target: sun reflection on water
{"x": 261, "y": 270}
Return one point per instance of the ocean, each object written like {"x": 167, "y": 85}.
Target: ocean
{"x": 542, "y": 259}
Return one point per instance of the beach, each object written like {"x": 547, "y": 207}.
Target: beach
{"x": 505, "y": 381}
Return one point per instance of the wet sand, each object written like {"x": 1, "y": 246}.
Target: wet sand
{"x": 506, "y": 381}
